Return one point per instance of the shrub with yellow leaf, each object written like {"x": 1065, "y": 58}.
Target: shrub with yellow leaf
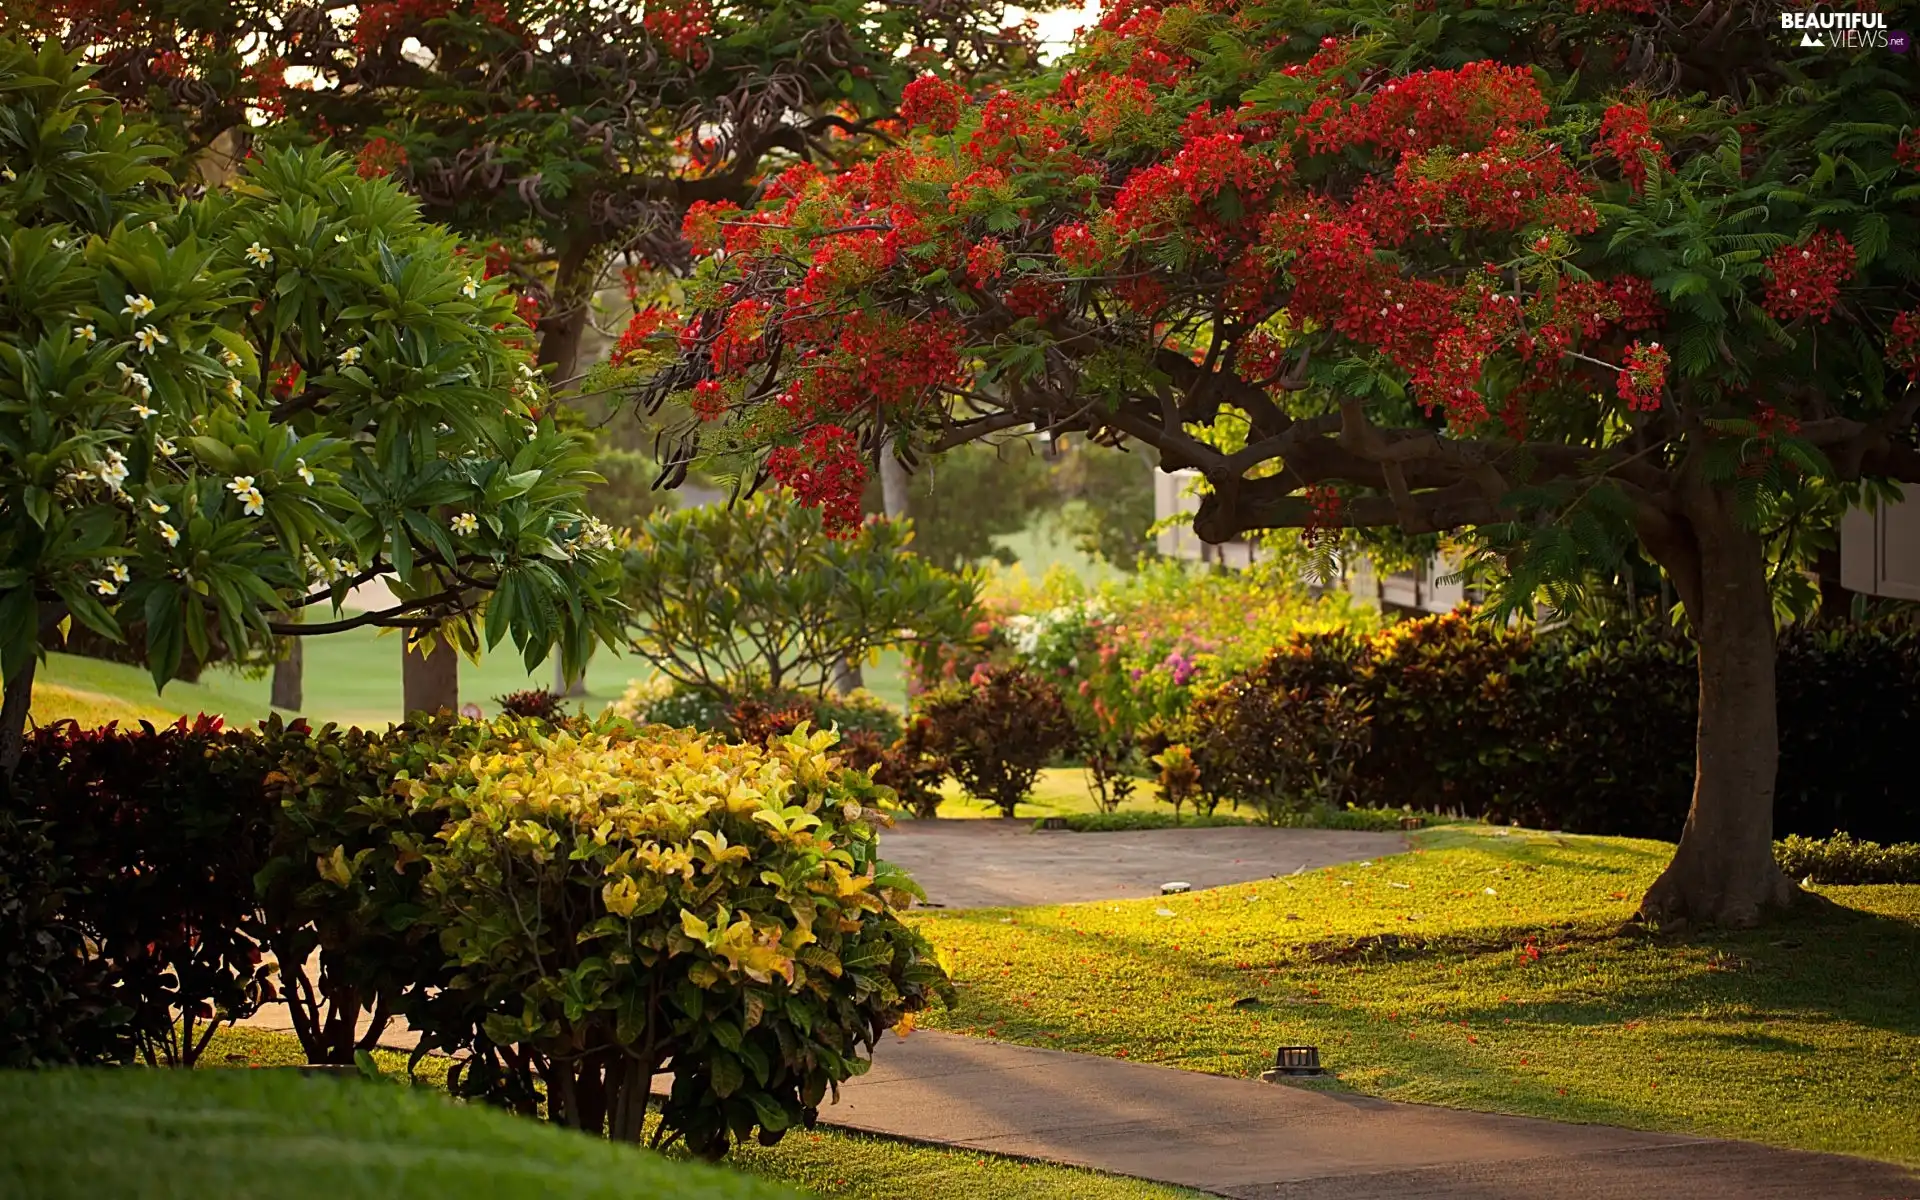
{"x": 618, "y": 901}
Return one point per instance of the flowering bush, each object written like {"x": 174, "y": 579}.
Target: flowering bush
{"x": 219, "y": 404}
{"x": 1137, "y": 651}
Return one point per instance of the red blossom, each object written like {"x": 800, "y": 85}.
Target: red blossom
{"x": 1807, "y": 278}
{"x": 1903, "y": 344}
{"x": 933, "y": 103}
{"x": 825, "y": 472}
{"x": 642, "y": 326}
{"x": 1626, "y": 133}
{"x": 1643, "y": 376}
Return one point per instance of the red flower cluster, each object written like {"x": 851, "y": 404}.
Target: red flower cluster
{"x": 703, "y": 227}
{"x": 826, "y": 472}
{"x": 1807, "y": 278}
{"x": 642, "y": 326}
{"x": 1106, "y": 106}
{"x": 1907, "y": 153}
{"x": 1459, "y": 110}
{"x": 379, "y": 156}
{"x": 1077, "y": 247}
{"x": 1903, "y": 344}
{"x": 1626, "y": 133}
{"x": 682, "y": 27}
{"x": 1643, "y": 376}
{"x": 269, "y": 79}
{"x": 986, "y": 260}
{"x": 709, "y": 399}
{"x": 933, "y": 103}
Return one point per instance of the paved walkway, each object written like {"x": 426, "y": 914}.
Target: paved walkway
{"x": 1236, "y": 1137}
{"x": 1261, "y": 1141}
{"x": 994, "y": 863}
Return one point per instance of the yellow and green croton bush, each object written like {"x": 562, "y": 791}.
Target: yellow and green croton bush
{"x": 619, "y": 900}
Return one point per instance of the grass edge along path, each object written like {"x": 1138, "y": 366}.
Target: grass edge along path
{"x": 1483, "y": 970}
{"x": 822, "y": 1162}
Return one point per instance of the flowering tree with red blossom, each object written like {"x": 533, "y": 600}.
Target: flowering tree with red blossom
{"x": 574, "y": 134}
{"x": 1569, "y": 278}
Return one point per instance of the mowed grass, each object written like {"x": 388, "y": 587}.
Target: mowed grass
{"x": 1485, "y": 970}
{"x": 351, "y": 678}
{"x": 821, "y": 1162}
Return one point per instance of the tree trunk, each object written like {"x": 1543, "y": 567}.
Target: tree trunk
{"x": 13, "y": 717}
{"x": 567, "y": 689}
{"x": 289, "y": 692}
{"x": 430, "y": 682}
{"x": 566, "y": 317}
{"x": 893, "y": 484}
{"x": 1724, "y": 872}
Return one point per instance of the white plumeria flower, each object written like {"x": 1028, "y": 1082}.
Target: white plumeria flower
{"x": 113, "y": 472}
{"x": 148, "y": 338}
{"x": 342, "y": 567}
{"x": 118, "y": 570}
{"x": 233, "y": 387}
{"x": 252, "y": 502}
{"x": 340, "y": 238}
{"x": 139, "y": 306}
{"x": 165, "y": 447}
{"x": 153, "y": 227}
{"x": 170, "y": 534}
{"x": 228, "y": 358}
{"x": 157, "y": 508}
{"x": 465, "y": 524}
{"x": 350, "y": 356}
{"x": 7, "y": 174}
{"x": 86, "y": 333}
{"x": 240, "y": 484}
{"x": 142, "y": 411}
{"x": 470, "y": 288}
{"x": 143, "y": 383}
{"x": 527, "y": 369}
{"x": 106, "y": 587}
{"x": 259, "y": 255}
{"x": 306, "y": 476}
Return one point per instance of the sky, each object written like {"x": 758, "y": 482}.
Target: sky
{"x": 1056, "y": 27}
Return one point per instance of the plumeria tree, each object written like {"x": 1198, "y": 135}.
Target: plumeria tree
{"x": 1567, "y": 277}
{"x": 571, "y": 135}
{"x": 228, "y": 407}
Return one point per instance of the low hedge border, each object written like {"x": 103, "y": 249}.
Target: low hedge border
{"x": 1842, "y": 860}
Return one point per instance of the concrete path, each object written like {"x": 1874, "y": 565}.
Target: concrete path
{"x": 1261, "y": 1141}
{"x": 994, "y": 863}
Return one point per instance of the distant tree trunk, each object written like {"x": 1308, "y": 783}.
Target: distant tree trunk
{"x": 566, "y": 317}
{"x": 893, "y": 484}
{"x": 430, "y": 682}
{"x": 1723, "y": 872}
{"x": 16, "y": 706}
{"x": 847, "y": 677}
{"x": 567, "y": 689}
{"x": 289, "y": 692}
{"x": 13, "y": 718}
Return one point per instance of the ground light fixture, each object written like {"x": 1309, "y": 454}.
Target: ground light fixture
{"x": 1294, "y": 1062}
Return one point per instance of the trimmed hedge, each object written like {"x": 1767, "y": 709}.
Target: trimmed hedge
{"x": 1840, "y": 859}
{"x": 1591, "y": 730}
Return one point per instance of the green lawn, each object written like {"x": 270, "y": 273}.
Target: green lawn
{"x": 351, "y": 678}
{"x": 822, "y": 1162}
{"x": 1484, "y": 970}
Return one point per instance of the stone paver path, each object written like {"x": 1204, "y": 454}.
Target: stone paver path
{"x": 993, "y": 863}
{"x": 1261, "y": 1141}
